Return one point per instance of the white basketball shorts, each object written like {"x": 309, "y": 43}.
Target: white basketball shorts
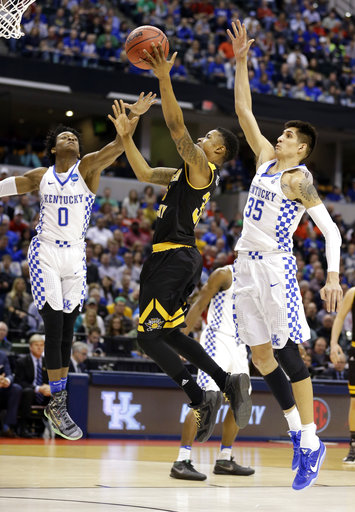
{"x": 57, "y": 274}
{"x": 226, "y": 352}
{"x": 267, "y": 300}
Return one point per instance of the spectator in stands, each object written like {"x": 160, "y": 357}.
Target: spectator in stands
{"x": 29, "y": 158}
{"x": 17, "y": 224}
{"x": 89, "y": 51}
{"x": 10, "y": 394}
{"x": 131, "y": 203}
{"x": 338, "y": 371}
{"x": 119, "y": 309}
{"x": 326, "y": 328}
{"x": 94, "y": 342}
{"x": 10, "y": 267}
{"x": 115, "y": 327}
{"x": 106, "y": 269}
{"x": 17, "y": 302}
{"x": 32, "y": 376}
{"x": 351, "y": 192}
{"x": 99, "y": 233}
{"x": 5, "y": 344}
{"x": 128, "y": 265}
{"x": 335, "y": 195}
{"x": 89, "y": 319}
{"x": 78, "y": 357}
{"x": 320, "y": 357}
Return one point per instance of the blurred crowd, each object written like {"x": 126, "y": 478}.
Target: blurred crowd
{"x": 302, "y": 50}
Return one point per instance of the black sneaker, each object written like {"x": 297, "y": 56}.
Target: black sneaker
{"x": 57, "y": 414}
{"x": 237, "y": 393}
{"x": 206, "y": 413}
{"x": 184, "y": 470}
{"x": 350, "y": 458}
{"x": 229, "y": 467}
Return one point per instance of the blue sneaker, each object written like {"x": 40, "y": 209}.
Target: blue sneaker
{"x": 296, "y": 439}
{"x": 310, "y": 463}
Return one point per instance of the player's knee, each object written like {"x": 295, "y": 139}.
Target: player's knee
{"x": 292, "y": 362}
{"x": 263, "y": 358}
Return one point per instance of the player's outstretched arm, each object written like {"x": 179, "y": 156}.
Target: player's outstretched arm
{"x": 29, "y": 182}
{"x": 200, "y": 174}
{"x": 336, "y": 351}
{"x": 140, "y": 167}
{"x": 93, "y": 164}
{"x": 261, "y": 147}
{"x": 220, "y": 279}
{"x": 301, "y": 188}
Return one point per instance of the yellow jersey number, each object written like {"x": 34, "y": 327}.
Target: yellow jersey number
{"x": 196, "y": 214}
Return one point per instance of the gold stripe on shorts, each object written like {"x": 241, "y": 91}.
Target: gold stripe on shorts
{"x": 166, "y": 246}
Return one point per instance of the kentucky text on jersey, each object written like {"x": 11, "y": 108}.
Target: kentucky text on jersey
{"x": 56, "y": 199}
{"x": 260, "y": 192}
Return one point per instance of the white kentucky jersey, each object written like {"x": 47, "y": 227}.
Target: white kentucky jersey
{"x": 270, "y": 218}
{"x": 66, "y": 204}
{"x": 220, "y": 313}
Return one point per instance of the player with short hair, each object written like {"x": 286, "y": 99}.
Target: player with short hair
{"x": 57, "y": 253}
{"x": 219, "y": 339}
{"x": 174, "y": 268}
{"x": 336, "y": 355}
{"x": 268, "y": 302}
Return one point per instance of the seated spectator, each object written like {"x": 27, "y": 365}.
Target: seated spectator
{"x": 335, "y": 195}
{"x": 32, "y": 376}
{"x": 88, "y": 320}
{"x": 120, "y": 309}
{"x": 17, "y": 302}
{"x": 94, "y": 342}
{"x": 320, "y": 357}
{"x": 89, "y": 51}
{"x": 99, "y": 233}
{"x": 106, "y": 198}
{"x": 131, "y": 203}
{"x": 17, "y": 224}
{"x": 115, "y": 327}
{"x": 311, "y": 316}
{"x": 107, "y": 290}
{"x": 338, "y": 371}
{"x": 92, "y": 271}
{"x": 106, "y": 269}
{"x": 5, "y": 344}
{"x": 29, "y": 158}
{"x": 78, "y": 357}
{"x": 10, "y": 394}
{"x": 128, "y": 266}
{"x": 34, "y": 320}
{"x": 325, "y": 330}
{"x": 178, "y": 70}
{"x": 10, "y": 267}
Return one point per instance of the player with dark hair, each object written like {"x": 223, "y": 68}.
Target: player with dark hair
{"x": 336, "y": 354}
{"x": 268, "y": 303}
{"x": 174, "y": 268}
{"x": 52, "y": 138}
{"x": 56, "y": 255}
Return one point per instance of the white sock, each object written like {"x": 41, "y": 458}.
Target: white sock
{"x": 184, "y": 453}
{"x": 293, "y": 419}
{"x": 309, "y": 438}
{"x": 225, "y": 453}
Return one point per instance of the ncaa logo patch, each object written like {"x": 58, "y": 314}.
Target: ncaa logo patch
{"x": 74, "y": 177}
{"x": 321, "y": 413}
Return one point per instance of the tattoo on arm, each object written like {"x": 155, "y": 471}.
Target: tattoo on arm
{"x": 188, "y": 150}
{"x": 162, "y": 176}
{"x": 307, "y": 191}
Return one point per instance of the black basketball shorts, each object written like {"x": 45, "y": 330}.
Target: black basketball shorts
{"x": 167, "y": 279}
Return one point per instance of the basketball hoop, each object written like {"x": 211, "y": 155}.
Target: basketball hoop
{"x": 11, "y": 12}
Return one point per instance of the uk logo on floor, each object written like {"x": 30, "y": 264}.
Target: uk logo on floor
{"x": 122, "y": 413}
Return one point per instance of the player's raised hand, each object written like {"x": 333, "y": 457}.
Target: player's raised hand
{"x": 123, "y": 125}
{"x": 158, "y": 62}
{"x": 143, "y": 104}
{"x": 239, "y": 40}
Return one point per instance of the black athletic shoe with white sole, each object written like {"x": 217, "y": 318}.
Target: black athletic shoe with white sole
{"x": 230, "y": 467}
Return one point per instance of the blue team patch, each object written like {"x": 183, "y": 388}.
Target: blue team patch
{"x": 74, "y": 177}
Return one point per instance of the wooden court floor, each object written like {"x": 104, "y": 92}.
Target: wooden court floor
{"x": 133, "y": 476}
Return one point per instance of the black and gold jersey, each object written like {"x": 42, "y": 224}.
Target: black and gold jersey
{"x": 181, "y": 208}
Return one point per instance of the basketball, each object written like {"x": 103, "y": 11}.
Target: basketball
{"x": 141, "y": 39}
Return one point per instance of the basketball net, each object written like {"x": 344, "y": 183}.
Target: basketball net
{"x": 11, "y": 12}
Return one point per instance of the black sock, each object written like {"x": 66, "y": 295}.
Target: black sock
{"x": 280, "y": 388}
{"x": 194, "y": 352}
{"x": 186, "y": 382}
{"x": 352, "y": 438}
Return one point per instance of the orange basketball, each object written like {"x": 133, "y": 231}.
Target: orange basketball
{"x": 141, "y": 39}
